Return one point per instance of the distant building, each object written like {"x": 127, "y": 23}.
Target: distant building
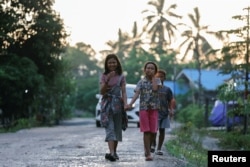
{"x": 187, "y": 80}
{"x": 177, "y": 88}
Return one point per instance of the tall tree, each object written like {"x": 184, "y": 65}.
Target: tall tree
{"x": 159, "y": 25}
{"x": 237, "y": 53}
{"x": 83, "y": 66}
{"x": 41, "y": 36}
{"x": 125, "y": 43}
{"x": 197, "y": 44}
{"x": 33, "y": 30}
{"x": 119, "y": 47}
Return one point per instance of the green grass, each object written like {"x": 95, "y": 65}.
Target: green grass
{"x": 187, "y": 144}
{"x": 233, "y": 140}
{"x": 193, "y": 157}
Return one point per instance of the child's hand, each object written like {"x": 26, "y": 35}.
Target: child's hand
{"x": 111, "y": 74}
{"x": 171, "y": 113}
{"x": 155, "y": 83}
{"x": 125, "y": 107}
{"x": 128, "y": 106}
{"x": 154, "y": 80}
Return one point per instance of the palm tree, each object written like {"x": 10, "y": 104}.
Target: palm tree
{"x": 120, "y": 47}
{"x": 125, "y": 43}
{"x": 159, "y": 26}
{"x": 136, "y": 42}
{"x": 195, "y": 42}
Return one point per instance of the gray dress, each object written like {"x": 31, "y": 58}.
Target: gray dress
{"x": 114, "y": 128}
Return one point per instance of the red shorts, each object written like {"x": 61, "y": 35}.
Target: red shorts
{"x": 148, "y": 120}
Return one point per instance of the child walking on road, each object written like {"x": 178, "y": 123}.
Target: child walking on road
{"x": 113, "y": 83}
{"x": 166, "y": 111}
{"x": 147, "y": 88}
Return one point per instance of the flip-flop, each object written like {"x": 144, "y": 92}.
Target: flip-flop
{"x": 159, "y": 152}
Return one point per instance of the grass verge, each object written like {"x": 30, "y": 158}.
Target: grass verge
{"x": 187, "y": 143}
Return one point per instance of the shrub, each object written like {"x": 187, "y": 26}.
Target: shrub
{"x": 193, "y": 114}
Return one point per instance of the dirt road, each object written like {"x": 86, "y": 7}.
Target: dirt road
{"x": 75, "y": 143}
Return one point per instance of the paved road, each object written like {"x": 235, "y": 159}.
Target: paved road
{"x": 75, "y": 143}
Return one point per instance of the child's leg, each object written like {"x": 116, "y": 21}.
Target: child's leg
{"x": 161, "y": 138}
{"x": 111, "y": 145}
{"x": 146, "y": 140}
{"x": 153, "y": 142}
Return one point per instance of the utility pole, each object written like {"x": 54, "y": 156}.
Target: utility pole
{"x": 247, "y": 71}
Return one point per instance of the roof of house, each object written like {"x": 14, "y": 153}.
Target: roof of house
{"x": 210, "y": 79}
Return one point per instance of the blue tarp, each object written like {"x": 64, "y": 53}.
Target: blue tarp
{"x": 218, "y": 115}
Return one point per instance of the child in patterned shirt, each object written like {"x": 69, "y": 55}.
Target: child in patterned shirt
{"x": 147, "y": 89}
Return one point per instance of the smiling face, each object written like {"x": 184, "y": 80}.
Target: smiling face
{"x": 150, "y": 70}
{"x": 112, "y": 64}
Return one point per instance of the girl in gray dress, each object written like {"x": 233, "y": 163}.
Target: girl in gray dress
{"x": 109, "y": 81}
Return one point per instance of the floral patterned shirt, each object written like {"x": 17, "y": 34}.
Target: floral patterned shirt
{"x": 148, "y": 98}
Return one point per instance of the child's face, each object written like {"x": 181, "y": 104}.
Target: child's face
{"x": 112, "y": 64}
{"x": 150, "y": 70}
{"x": 160, "y": 75}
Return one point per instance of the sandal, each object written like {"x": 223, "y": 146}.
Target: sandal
{"x": 110, "y": 157}
{"x": 158, "y": 152}
{"x": 116, "y": 156}
{"x": 149, "y": 158}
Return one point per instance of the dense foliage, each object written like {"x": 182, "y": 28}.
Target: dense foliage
{"x": 32, "y": 39}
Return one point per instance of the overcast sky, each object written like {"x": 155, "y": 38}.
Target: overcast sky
{"x": 97, "y": 21}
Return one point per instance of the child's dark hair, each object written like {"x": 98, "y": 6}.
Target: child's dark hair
{"x": 150, "y": 62}
{"x": 163, "y": 72}
{"x": 119, "y": 66}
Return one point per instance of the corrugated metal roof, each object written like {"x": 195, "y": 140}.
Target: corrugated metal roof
{"x": 210, "y": 79}
{"x": 176, "y": 88}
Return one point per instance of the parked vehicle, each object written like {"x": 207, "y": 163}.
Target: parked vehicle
{"x": 133, "y": 114}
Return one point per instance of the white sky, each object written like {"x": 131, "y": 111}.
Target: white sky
{"x": 97, "y": 21}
